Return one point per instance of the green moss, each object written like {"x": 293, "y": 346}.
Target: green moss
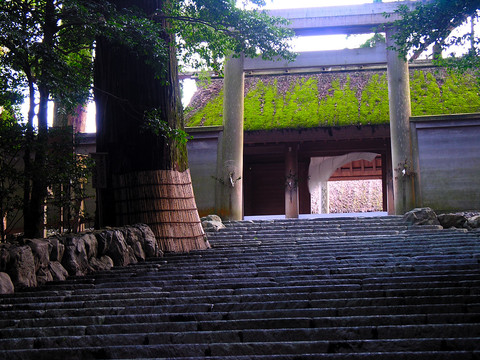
{"x": 374, "y": 108}
{"x": 460, "y": 94}
{"x": 300, "y": 106}
{"x": 254, "y": 117}
{"x": 210, "y": 115}
{"x": 270, "y": 105}
{"x": 341, "y": 105}
{"x": 424, "y": 94}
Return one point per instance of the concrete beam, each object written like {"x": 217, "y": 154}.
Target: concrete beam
{"x": 354, "y": 19}
{"x": 319, "y": 60}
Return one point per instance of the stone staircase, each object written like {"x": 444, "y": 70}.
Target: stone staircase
{"x": 365, "y": 288}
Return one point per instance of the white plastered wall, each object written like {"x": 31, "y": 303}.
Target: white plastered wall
{"x": 321, "y": 169}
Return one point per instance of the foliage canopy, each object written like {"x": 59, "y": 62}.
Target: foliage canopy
{"x": 47, "y": 52}
{"x": 443, "y": 24}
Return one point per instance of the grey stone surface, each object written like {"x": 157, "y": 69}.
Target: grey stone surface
{"x": 21, "y": 267}
{"x": 112, "y": 243}
{"x": 6, "y": 285}
{"x": 58, "y": 249}
{"x": 134, "y": 239}
{"x": 344, "y": 289}
{"x": 44, "y": 275}
{"x": 91, "y": 245}
{"x": 75, "y": 258}
{"x": 149, "y": 243}
{"x": 58, "y": 272}
{"x": 421, "y": 216}
{"x": 452, "y": 220}
{"x": 102, "y": 263}
{"x": 138, "y": 251}
{"x": 41, "y": 252}
{"x": 41, "y": 261}
{"x": 4, "y": 256}
{"x": 212, "y": 223}
{"x": 474, "y": 222}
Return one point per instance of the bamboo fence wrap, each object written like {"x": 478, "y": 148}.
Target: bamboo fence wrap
{"x": 164, "y": 200}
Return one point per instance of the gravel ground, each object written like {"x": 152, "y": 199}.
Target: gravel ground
{"x": 352, "y": 196}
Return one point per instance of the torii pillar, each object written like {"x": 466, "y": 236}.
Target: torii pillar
{"x": 229, "y": 203}
{"x": 291, "y": 182}
{"x": 401, "y": 144}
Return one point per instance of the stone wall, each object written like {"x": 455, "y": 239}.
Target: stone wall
{"x": 33, "y": 262}
{"x": 202, "y": 159}
{"x": 446, "y": 162}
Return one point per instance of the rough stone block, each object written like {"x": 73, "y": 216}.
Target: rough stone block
{"x": 6, "y": 285}
{"x": 101, "y": 264}
{"x": 91, "y": 245}
{"x": 212, "y": 223}
{"x": 58, "y": 249}
{"x": 149, "y": 242}
{"x": 58, "y": 272}
{"x": 41, "y": 249}
{"x": 21, "y": 267}
{"x": 75, "y": 259}
{"x": 421, "y": 216}
{"x": 113, "y": 244}
{"x": 43, "y": 276}
{"x": 4, "y": 256}
{"x": 452, "y": 220}
{"x": 474, "y": 222}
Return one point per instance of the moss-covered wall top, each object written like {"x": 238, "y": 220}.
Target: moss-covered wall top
{"x": 335, "y": 99}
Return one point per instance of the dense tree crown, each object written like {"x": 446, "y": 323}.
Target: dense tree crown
{"x": 48, "y": 47}
{"x": 441, "y": 24}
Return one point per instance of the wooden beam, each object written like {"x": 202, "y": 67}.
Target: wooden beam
{"x": 319, "y": 60}
{"x": 353, "y": 19}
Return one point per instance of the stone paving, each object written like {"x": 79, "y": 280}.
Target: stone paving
{"x": 343, "y": 288}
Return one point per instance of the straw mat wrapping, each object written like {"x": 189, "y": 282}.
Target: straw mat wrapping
{"x": 164, "y": 200}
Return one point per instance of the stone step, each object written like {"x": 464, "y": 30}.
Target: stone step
{"x": 313, "y": 289}
{"x": 415, "y": 346}
{"x": 270, "y": 278}
{"x": 232, "y": 310}
{"x": 400, "y": 355}
{"x": 215, "y": 321}
{"x": 326, "y": 285}
{"x": 367, "y": 333}
{"x": 170, "y": 333}
{"x": 464, "y": 287}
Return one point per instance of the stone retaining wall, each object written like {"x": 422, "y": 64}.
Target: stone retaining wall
{"x": 33, "y": 262}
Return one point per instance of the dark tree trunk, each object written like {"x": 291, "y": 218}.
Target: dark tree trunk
{"x": 125, "y": 88}
{"x": 36, "y": 180}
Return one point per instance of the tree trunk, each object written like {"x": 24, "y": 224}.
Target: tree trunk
{"x": 28, "y": 161}
{"x": 35, "y": 186}
{"x": 125, "y": 88}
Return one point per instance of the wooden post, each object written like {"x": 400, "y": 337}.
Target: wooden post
{"x": 231, "y": 194}
{"x": 291, "y": 182}
{"x": 400, "y": 112}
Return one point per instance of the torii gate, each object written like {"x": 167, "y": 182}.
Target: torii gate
{"x": 319, "y": 21}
